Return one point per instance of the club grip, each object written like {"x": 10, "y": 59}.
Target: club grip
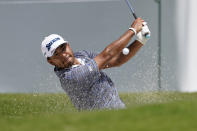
{"x": 134, "y": 15}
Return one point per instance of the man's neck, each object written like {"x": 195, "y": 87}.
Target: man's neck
{"x": 76, "y": 62}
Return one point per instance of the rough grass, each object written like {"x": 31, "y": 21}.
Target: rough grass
{"x": 54, "y": 112}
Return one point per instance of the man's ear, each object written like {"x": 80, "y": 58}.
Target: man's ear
{"x": 50, "y": 61}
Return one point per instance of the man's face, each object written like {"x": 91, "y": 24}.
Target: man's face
{"x": 63, "y": 57}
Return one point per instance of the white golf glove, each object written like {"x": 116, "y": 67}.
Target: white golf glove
{"x": 144, "y": 35}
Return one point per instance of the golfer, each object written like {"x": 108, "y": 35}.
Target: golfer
{"x": 81, "y": 73}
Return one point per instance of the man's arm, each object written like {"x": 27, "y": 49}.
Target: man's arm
{"x": 116, "y": 47}
{"x": 121, "y": 59}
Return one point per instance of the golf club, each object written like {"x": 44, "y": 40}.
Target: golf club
{"x": 147, "y": 35}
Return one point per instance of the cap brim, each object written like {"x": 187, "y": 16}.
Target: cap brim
{"x": 55, "y": 46}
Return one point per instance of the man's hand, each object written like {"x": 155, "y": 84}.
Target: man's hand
{"x": 141, "y": 35}
{"x": 138, "y": 24}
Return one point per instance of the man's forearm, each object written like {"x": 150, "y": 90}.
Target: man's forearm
{"x": 113, "y": 50}
{"x": 116, "y": 47}
{"x": 120, "y": 59}
{"x": 134, "y": 48}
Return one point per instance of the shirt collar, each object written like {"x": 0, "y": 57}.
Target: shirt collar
{"x": 81, "y": 61}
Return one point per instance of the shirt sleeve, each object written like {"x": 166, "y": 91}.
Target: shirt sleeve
{"x": 85, "y": 75}
{"x": 92, "y": 54}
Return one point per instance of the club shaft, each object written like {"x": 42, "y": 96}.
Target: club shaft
{"x": 134, "y": 15}
{"x": 131, "y": 8}
{"x": 147, "y": 35}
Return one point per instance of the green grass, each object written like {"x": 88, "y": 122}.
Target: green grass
{"x": 54, "y": 112}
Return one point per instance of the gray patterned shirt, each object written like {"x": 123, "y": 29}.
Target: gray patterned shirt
{"x": 87, "y": 87}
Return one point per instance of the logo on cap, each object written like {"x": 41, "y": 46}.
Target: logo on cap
{"x": 48, "y": 46}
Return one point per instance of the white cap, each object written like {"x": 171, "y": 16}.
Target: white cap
{"x": 50, "y": 43}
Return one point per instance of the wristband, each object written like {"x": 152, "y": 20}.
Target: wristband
{"x": 135, "y": 32}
